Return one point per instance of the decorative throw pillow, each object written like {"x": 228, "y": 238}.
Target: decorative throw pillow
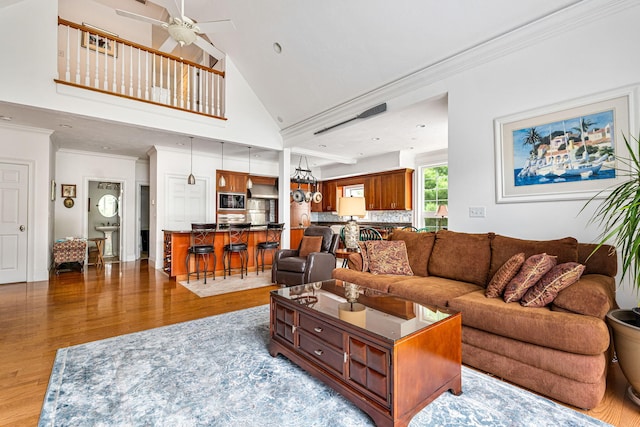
{"x": 365, "y": 256}
{"x": 504, "y": 275}
{"x": 310, "y": 244}
{"x": 558, "y": 278}
{"x": 387, "y": 257}
{"x": 532, "y": 270}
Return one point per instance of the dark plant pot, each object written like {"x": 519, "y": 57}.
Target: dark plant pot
{"x": 626, "y": 339}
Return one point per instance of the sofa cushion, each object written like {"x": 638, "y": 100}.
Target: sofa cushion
{"x": 603, "y": 261}
{"x": 546, "y": 290}
{"x": 388, "y": 257}
{"x": 431, "y": 290}
{"x": 503, "y": 276}
{"x": 531, "y": 271}
{"x": 540, "y": 326}
{"x": 379, "y": 282}
{"x": 461, "y": 256}
{"x": 419, "y": 247}
{"x": 503, "y": 248}
{"x": 310, "y": 244}
{"x": 294, "y": 264}
{"x": 592, "y": 295}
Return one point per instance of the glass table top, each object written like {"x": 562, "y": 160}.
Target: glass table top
{"x": 381, "y": 313}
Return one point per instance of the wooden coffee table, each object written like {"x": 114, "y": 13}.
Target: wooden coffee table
{"x": 389, "y": 356}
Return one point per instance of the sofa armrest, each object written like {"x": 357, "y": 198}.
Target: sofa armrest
{"x": 319, "y": 267}
{"x": 592, "y": 295}
{"x": 354, "y": 261}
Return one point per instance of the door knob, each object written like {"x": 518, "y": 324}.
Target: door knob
{"x": 22, "y": 228}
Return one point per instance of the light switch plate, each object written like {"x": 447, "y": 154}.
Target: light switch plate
{"x": 476, "y": 212}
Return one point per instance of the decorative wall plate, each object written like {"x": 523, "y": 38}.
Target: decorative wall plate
{"x": 68, "y": 202}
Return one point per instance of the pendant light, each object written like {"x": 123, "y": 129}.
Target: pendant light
{"x": 192, "y": 179}
{"x": 222, "y": 182}
{"x": 249, "y": 182}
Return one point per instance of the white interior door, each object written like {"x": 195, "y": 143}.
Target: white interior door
{"x": 13, "y": 222}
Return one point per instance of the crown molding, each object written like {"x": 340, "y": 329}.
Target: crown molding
{"x": 547, "y": 27}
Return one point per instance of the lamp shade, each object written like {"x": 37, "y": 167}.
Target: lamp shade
{"x": 352, "y": 206}
{"x": 442, "y": 211}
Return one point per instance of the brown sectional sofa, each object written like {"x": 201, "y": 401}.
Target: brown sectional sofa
{"x": 561, "y": 350}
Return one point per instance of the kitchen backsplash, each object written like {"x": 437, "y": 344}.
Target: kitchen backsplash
{"x": 372, "y": 216}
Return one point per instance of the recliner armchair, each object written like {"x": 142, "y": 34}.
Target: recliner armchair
{"x": 290, "y": 269}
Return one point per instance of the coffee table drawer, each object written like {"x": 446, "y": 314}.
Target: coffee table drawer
{"x": 321, "y": 331}
{"x": 321, "y": 352}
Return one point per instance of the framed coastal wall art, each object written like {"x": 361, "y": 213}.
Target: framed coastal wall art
{"x": 566, "y": 151}
{"x": 97, "y": 42}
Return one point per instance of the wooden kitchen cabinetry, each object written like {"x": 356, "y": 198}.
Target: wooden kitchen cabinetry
{"x": 329, "y": 198}
{"x": 396, "y": 190}
{"x": 236, "y": 182}
{"x": 372, "y": 193}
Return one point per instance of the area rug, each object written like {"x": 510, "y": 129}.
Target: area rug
{"x": 217, "y": 372}
{"x": 231, "y": 284}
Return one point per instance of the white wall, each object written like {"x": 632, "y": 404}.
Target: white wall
{"x": 32, "y": 147}
{"x": 74, "y": 167}
{"x": 549, "y": 72}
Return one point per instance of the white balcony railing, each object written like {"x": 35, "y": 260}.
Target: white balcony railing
{"x": 99, "y": 61}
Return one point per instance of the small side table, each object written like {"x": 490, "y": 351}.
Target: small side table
{"x": 343, "y": 254}
{"x": 99, "y": 241}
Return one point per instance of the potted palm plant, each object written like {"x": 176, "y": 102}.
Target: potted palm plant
{"x": 618, "y": 215}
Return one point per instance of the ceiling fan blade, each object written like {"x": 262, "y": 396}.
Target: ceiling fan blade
{"x": 209, "y": 48}
{"x": 216, "y": 26}
{"x": 171, "y": 6}
{"x": 139, "y": 17}
{"x": 168, "y": 45}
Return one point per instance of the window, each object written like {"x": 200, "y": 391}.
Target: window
{"x": 435, "y": 180}
{"x": 353, "y": 190}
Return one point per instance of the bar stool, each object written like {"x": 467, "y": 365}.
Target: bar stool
{"x": 202, "y": 245}
{"x": 274, "y": 231}
{"x": 238, "y": 243}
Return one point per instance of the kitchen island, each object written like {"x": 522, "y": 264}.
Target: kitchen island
{"x": 176, "y": 244}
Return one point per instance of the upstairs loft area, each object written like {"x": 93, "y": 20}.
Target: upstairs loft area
{"x": 100, "y": 61}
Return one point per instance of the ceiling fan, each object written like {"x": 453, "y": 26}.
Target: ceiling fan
{"x": 182, "y": 29}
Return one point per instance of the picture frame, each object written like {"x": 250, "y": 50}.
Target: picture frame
{"x": 541, "y": 154}
{"x": 68, "y": 190}
{"x": 97, "y": 42}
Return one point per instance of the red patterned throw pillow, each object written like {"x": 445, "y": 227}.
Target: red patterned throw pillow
{"x": 547, "y": 289}
{"x": 388, "y": 257}
{"x": 503, "y": 276}
{"x": 532, "y": 270}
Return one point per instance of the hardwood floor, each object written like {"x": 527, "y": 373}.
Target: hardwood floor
{"x": 73, "y": 308}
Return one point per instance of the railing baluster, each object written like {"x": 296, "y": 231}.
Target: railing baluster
{"x": 161, "y": 86}
{"x": 130, "y": 70}
{"x": 106, "y": 61}
{"x": 175, "y": 85}
{"x": 168, "y": 81}
{"x": 188, "y": 87}
{"x": 114, "y": 85}
{"x": 122, "y": 78}
{"x": 96, "y": 81}
{"x": 78, "y": 34}
{"x": 67, "y": 74}
{"x": 146, "y": 75}
{"x": 139, "y": 88}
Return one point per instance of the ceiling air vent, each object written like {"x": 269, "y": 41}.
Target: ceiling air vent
{"x": 142, "y": 1}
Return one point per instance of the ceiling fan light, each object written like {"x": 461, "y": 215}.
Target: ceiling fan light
{"x": 181, "y": 34}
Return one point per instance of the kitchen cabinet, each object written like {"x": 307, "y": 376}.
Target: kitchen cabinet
{"x": 329, "y": 197}
{"x": 295, "y": 237}
{"x": 396, "y": 190}
{"x": 236, "y": 182}
{"x": 372, "y": 192}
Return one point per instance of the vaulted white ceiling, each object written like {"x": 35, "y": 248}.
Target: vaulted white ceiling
{"x": 335, "y": 52}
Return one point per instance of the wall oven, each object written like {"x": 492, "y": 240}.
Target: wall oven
{"x": 232, "y": 201}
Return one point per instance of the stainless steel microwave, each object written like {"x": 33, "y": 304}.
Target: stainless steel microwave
{"x": 232, "y": 201}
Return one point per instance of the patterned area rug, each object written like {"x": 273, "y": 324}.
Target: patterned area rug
{"x": 217, "y": 372}
{"x": 231, "y": 284}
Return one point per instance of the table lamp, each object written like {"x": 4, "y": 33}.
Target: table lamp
{"x": 351, "y": 207}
